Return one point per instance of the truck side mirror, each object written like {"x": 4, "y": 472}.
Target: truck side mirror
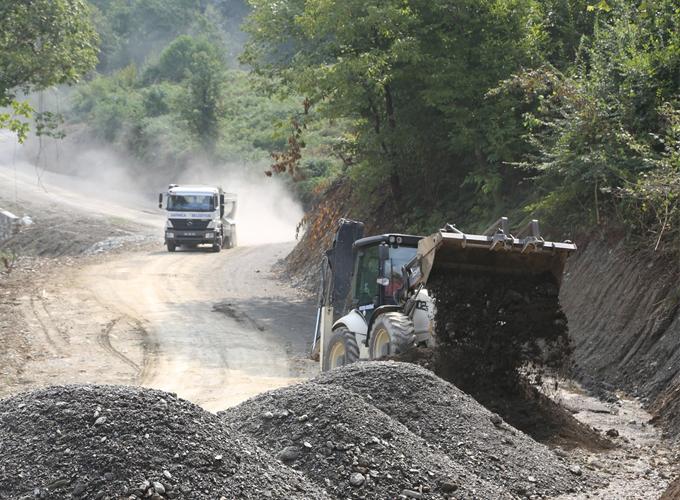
{"x": 160, "y": 200}
{"x": 221, "y": 205}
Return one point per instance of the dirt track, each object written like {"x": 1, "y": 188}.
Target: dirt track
{"x": 112, "y": 306}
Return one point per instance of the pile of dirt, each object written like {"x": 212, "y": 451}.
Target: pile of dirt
{"x": 524, "y": 405}
{"x": 351, "y": 448}
{"x": 110, "y": 442}
{"x": 488, "y": 327}
{"x": 65, "y": 233}
{"x": 457, "y": 425}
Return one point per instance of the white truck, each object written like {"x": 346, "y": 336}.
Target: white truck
{"x": 199, "y": 215}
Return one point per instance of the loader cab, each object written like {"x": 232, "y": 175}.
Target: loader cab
{"x": 378, "y": 270}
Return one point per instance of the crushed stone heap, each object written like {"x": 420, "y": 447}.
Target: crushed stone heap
{"x": 112, "y": 442}
{"x": 455, "y": 424}
{"x": 350, "y": 448}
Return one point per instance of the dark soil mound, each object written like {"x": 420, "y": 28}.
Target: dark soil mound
{"x": 525, "y": 407}
{"x": 100, "y": 442}
{"x": 351, "y": 448}
{"x": 459, "y": 426}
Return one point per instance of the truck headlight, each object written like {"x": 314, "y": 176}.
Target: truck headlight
{"x": 209, "y": 235}
{"x": 170, "y": 235}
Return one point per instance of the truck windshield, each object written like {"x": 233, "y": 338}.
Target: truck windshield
{"x": 191, "y": 202}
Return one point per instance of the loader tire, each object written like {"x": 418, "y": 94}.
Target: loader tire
{"x": 391, "y": 333}
{"x": 342, "y": 349}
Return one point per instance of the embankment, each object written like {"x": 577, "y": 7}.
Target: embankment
{"x": 624, "y": 316}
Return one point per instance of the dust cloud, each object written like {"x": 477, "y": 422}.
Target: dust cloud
{"x": 267, "y": 211}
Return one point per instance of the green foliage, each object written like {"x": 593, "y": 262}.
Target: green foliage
{"x": 652, "y": 202}
{"x": 202, "y": 105}
{"x": 603, "y": 125}
{"x": 131, "y": 30}
{"x": 186, "y": 103}
{"x": 411, "y": 78}
{"x": 15, "y": 118}
{"x": 433, "y": 110}
{"x": 557, "y": 107}
{"x": 42, "y": 43}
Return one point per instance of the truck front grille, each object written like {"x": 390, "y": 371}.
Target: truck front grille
{"x": 189, "y": 224}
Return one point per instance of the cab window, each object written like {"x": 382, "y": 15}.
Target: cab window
{"x": 392, "y": 270}
{"x": 366, "y": 287}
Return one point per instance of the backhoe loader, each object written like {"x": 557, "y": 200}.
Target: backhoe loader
{"x": 382, "y": 295}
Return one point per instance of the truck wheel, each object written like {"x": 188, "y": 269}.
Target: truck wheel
{"x": 392, "y": 333}
{"x": 342, "y": 349}
{"x": 217, "y": 247}
{"x": 230, "y": 242}
{"x": 171, "y": 247}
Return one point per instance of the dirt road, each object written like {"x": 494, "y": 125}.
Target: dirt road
{"x": 214, "y": 332}
{"x": 106, "y": 303}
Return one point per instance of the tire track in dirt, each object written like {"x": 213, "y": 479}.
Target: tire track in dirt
{"x": 104, "y": 341}
{"x": 43, "y": 320}
{"x": 150, "y": 346}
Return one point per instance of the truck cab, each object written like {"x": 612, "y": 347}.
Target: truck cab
{"x": 199, "y": 215}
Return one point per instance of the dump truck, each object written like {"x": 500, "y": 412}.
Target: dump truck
{"x": 199, "y": 215}
{"x": 382, "y": 295}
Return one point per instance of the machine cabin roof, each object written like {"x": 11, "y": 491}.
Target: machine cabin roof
{"x": 408, "y": 240}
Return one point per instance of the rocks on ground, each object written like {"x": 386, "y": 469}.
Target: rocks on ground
{"x": 457, "y": 425}
{"x": 353, "y": 450}
{"x": 106, "y": 442}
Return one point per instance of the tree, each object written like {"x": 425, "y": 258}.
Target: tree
{"x": 411, "y": 75}
{"x": 203, "y": 77}
{"x": 42, "y": 43}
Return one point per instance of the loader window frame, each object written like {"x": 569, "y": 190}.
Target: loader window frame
{"x": 366, "y": 276}
{"x": 392, "y": 269}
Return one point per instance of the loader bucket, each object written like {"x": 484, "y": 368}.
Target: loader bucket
{"x": 496, "y": 299}
{"x": 495, "y": 251}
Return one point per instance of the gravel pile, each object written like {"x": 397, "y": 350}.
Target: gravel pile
{"x": 351, "y": 448}
{"x": 457, "y": 425}
{"x": 112, "y": 442}
{"x": 487, "y": 327}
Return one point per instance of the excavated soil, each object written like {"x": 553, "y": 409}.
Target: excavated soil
{"x": 496, "y": 339}
{"x": 488, "y": 327}
{"x": 110, "y": 442}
